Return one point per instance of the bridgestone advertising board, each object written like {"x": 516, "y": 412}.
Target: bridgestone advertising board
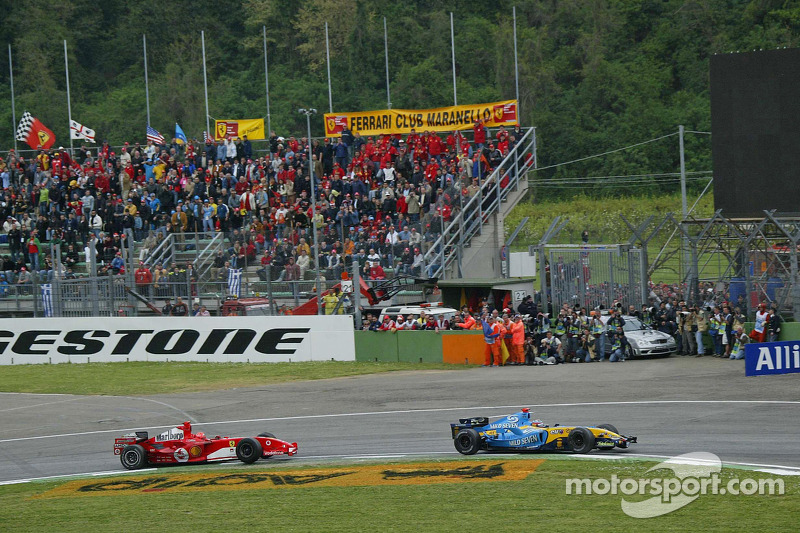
{"x": 217, "y": 339}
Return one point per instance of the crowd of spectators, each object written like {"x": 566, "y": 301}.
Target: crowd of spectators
{"x": 573, "y": 334}
{"x": 380, "y": 201}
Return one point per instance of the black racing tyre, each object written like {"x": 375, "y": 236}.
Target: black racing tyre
{"x": 266, "y": 435}
{"x": 248, "y": 450}
{"x": 467, "y": 441}
{"x": 581, "y": 440}
{"x": 609, "y": 427}
{"x": 133, "y": 457}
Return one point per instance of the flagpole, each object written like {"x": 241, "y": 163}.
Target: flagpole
{"x": 453, "y": 46}
{"x": 146, "y": 84}
{"x": 386, "y": 53}
{"x": 328, "y": 54}
{"x": 69, "y": 104}
{"x": 516, "y": 64}
{"x": 266, "y": 81}
{"x": 13, "y": 109}
{"x": 205, "y": 84}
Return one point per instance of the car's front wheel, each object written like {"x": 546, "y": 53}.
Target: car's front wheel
{"x": 608, "y": 427}
{"x": 248, "y": 450}
{"x": 467, "y": 441}
{"x": 581, "y": 440}
{"x": 133, "y": 457}
{"x": 267, "y": 435}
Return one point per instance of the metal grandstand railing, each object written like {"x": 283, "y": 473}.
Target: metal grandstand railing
{"x": 471, "y": 216}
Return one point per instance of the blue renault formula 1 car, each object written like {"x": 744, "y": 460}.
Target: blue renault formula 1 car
{"x": 518, "y": 432}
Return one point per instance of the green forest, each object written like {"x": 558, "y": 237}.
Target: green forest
{"x": 594, "y": 74}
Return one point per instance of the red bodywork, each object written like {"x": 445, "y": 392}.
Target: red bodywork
{"x": 179, "y": 445}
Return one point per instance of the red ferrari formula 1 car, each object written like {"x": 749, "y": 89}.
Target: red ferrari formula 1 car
{"x": 179, "y": 445}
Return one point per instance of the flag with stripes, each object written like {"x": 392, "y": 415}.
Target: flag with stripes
{"x": 79, "y": 131}
{"x": 153, "y": 135}
{"x": 47, "y": 299}
{"x": 235, "y": 282}
{"x": 206, "y": 138}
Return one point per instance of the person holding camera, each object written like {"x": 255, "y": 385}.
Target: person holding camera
{"x": 619, "y": 346}
{"x": 688, "y": 325}
{"x": 549, "y": 350}
{"x": 615, "y": 322}
{"x": 598, "y": 330}
{"x": 530, "y": 349}
{"x": 585, "y": 345}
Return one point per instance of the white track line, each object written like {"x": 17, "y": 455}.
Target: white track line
{"x": 63, "y": 476}
{"x": 409, "y": 411}
{"x": 758, "y": 467}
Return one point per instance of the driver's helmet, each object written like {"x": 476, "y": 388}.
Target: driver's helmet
{"x": 534, "y": 422}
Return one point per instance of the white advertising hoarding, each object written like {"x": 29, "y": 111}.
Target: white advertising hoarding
{"x": 213, "y": 339}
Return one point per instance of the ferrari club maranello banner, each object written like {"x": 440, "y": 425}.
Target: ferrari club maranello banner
{"x": 404, "y": 120}
{"x": 217, "y": 339}
{"x": 252, "y": 127}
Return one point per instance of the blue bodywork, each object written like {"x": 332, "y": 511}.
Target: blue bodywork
{"x": 519, "y": 432}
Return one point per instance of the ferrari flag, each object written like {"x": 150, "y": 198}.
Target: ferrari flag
{"x": 231, "y": 129}
{"x": 79, "y": 131}
{"x": 33, "y": 132}
{"x": 451, "y": 118}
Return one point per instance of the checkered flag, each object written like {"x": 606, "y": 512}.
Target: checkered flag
{"x": 30, "y": 130}
{"x": 24, "y": 128}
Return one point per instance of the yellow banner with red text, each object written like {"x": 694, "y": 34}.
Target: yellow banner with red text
{"x": 233, "y": 129}
{"x": 404, "y": 120}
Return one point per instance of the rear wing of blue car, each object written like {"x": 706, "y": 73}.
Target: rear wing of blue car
{"x": 467, "y": 423}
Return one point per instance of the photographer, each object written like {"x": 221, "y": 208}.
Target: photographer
{"x": 615, "y": 322}
{"x": 619, "y": 346}
{"x": 688, "y": 323}
{"x": 585, "y": 346}
{"x": 530, "y": 350}
{"x": 598, "y": 330}
{"x": 549, "y": 349}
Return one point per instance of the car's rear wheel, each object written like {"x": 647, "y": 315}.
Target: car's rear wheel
{"x": 581, "y": 440}
{"x": 248, "y": 450}
{"x": 609, "y": 427}
{"x": 467, "y": 441}
{"x": 266, "y": 435}
{"x": 133, "y": 457}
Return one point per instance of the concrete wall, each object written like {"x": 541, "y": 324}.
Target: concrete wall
{"x": 457, "y": 347}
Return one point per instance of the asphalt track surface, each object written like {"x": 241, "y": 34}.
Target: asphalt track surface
{"x": 675, "y": 405}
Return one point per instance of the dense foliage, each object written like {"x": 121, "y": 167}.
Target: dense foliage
{"x": 594, "y": 74}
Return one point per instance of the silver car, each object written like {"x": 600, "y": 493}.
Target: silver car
{"x": 644, "y": 340}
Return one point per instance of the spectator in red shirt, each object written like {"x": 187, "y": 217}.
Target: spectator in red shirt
{"x": 143, "y": 278}
{"x": 479, "y": 131}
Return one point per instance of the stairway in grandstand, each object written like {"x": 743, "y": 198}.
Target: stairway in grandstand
{"x": 470, "y": 245}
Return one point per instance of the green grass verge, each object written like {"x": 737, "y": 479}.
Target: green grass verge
{"x": 163, "y": 378}
{"x": 538, "y": 503}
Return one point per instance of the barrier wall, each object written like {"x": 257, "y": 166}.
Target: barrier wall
{"x": 213, "y": 339}
{"x": 420, "y": 346}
